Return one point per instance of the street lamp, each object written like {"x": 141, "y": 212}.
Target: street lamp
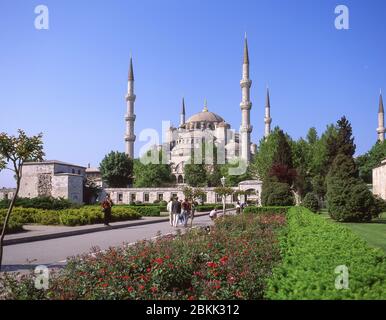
{"x": 223, "y": 196}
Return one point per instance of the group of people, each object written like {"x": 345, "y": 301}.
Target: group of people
{"x": 180, "y": 212}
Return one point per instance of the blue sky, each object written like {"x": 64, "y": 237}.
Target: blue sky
{"x": 69, "y": 82}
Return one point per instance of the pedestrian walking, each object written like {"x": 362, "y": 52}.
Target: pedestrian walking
{"x": 192, "y": 212}
{"x": 176, "y": 211}
{"x": 169, "y": 209}
{"x": 186, "y": 207}
{"x": 238, "y": 207}
{"x": 107, "y": 204}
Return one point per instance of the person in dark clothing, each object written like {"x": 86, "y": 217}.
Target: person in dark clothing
{"x": 176, "y": 210}
{"x": 106, "y": 208}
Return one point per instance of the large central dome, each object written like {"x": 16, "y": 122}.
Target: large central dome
{"x": 205, "y": 116}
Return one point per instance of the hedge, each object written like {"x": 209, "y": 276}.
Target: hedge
{"x": 273, "y": 210}
{"x": 48, "y": 203}
{"x": 312, "y": 248}
{"x": 67, "y": 217}
{"x": 13, "y": 226}
{"x": 149, "y": 211}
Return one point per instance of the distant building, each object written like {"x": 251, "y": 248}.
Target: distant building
{"x": 7, "y": 193}
{"x": 379, "y": 180}
{"x": 52, "y": 179}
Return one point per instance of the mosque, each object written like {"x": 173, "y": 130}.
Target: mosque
{"x": 203, "y": 127}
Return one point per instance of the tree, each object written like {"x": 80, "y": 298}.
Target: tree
{"x": 343, "y": 142}
{"x": 311, "y": 202}
{"x": 235, "y": 171}
{"x": 348, "y": 197}
{"x": 263, "y": 160}
{"x": 195, "y": 175}
{"x": 117, "y": 169}
{"x": 367, "y": 162}
{"x": 276, "y": 194}
{"x": 152, "y": 175}
{"x": 16, "y": 150}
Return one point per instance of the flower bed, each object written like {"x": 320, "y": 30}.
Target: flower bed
{"x": 312, "y": 248}
{"x": 233, "y": 261}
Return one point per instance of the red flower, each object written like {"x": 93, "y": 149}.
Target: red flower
{"x": 104, "y": 285}
{"x": 212, "y": 264}
{"x": 130, "y": 289}
{"x": 148, "y": 269}
{"x": 238, "y": 294}
{"x": 191, "y": 298}
{"x": 153, "y": 289}
{"x": 167, "y": 257}
{"x": 141, "y": 287}
{"x": 224, "y": 260}
{"x": 125, "y": 277}
{"x": 159, "y": 260}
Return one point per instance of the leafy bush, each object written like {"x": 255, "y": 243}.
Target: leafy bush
{"x": 312, "y": 248}
{"x": 311, "y": 202}
{"x": 147, "y": 211}
{"x": 68, "y": 217}
{"x": 13, "y": 226}
{"x": 266, "y": 210}
{"x": 276, "y": 194}
{"x": 231, "y": 262}
{"x": 48, "y": 203}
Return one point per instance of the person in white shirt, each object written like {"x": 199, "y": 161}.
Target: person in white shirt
{"x": 169, "y": 209}
{"x": 213, "y": 214}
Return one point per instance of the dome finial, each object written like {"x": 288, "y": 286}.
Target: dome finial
{"x": 205, "y": 106}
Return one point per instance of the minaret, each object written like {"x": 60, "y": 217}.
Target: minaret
{"x": 267, "y": 118}
{"x": 381, "y": 120}
{"x": 246, "y": 105}
{"x": 130, "y": 116}
{"x": 182, "y": 114}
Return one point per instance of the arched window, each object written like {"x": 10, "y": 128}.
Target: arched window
{"x": 180, "y": 179}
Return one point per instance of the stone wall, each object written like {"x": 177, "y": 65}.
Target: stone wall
{"x": 68, "y": 186}
{"x": 379, "y": 180}
{"x": 149, "y": 195}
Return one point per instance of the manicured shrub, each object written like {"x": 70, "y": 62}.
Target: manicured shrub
{"x": 266, "y": 210}
{"x": 311, "y": 202}
{"x": 48, "y": 203}
{"x": 146, "y": 211}
{"x": 13, "y": 226}
{"x": 68, "y": 217}
{"x": 312, "y": 248}
{"x": 276, "y": 194}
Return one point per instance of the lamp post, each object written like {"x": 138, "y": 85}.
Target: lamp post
{"x": 223, "y": 196}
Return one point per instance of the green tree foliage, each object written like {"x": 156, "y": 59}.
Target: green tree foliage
{"x": 342, "y": 143}
{"x": 16, "y": 150}
{"x": 276, "y": 194}
{"x": 263, "y": 160}
{"x": 117, "y": 169}
{"x": 367, "y": 162}
{"x": 311, "y": 202}
{"x": 235, "y": 171}
{"x": 195, "y": 175}
{"x": 152, "y": 173}
{"x": 348, "y": 197}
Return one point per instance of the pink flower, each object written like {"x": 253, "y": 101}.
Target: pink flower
{"x": 130, "y": 289}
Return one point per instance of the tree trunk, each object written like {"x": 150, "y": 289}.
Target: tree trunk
{"x": 10, "y": 208}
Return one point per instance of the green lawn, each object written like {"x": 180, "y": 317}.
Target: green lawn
{"x": 374, "y": 232}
